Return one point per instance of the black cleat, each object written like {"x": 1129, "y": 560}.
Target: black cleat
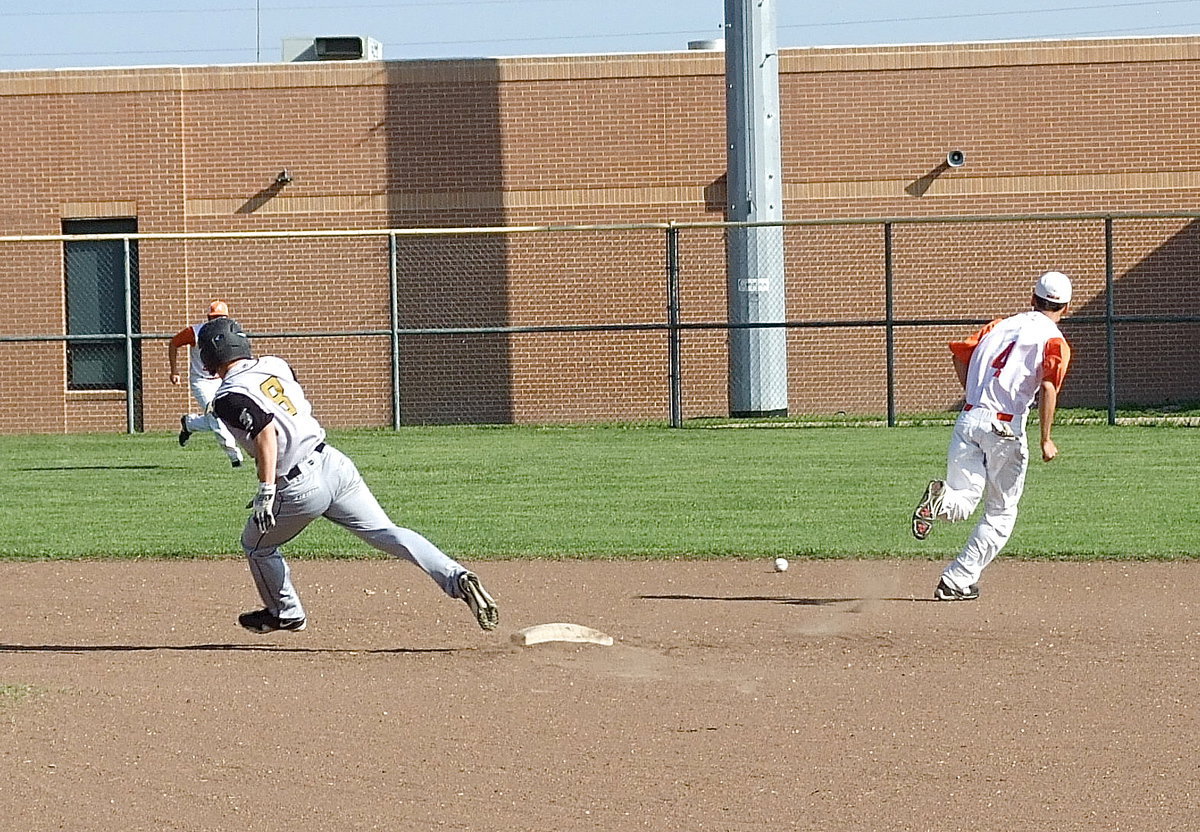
{"x": 482, "y": 605}
{"x": 927, "y": 510}
{"x": 265, "y": 621}
{"x": 945, "y": 592}
{"x": 184, "y": 433}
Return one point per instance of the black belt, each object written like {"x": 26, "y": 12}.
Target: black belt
{"x": 295, "y": 472}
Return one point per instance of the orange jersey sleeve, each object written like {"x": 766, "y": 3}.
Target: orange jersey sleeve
{"x": 184, "y": 338}
{"x": 1055, "y": 361}
{"x": 964, "y": 349}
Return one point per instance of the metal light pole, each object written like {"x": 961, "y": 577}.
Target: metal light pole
{"x": 754, "y": 191}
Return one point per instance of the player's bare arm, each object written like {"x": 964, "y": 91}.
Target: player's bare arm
{"x": 1046, "y": 407}
{"x": 182, "y": 338}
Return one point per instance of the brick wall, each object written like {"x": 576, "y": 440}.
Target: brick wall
{"x": 1047, "y": 127}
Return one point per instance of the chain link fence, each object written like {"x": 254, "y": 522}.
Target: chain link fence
{"x": 603, "y": 323}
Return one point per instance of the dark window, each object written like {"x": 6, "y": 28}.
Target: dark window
{"x": 95, "y": 289}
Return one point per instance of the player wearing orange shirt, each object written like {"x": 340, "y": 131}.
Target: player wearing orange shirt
{"x": 203, "y": 384}
{"x": 1002, "y": 368}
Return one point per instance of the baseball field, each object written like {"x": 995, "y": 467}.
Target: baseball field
{"x": 833, "y": 696}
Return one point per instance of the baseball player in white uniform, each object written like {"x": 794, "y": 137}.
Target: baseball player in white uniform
{"x": 1002, "y": 367}
{"x": 204, "y": 386}
{"x": 302, "y": 477}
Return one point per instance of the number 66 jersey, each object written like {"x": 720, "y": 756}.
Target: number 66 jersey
{"x": 1008, "y": 360}
{"x": 259, "y": 391}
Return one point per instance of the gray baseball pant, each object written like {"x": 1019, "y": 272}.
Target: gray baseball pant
{"x": 329, "y": 485}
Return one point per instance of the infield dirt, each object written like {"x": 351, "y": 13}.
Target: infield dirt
{"x": 831, "y": 697}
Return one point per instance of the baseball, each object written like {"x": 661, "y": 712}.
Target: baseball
{"x": 781, "y": 564}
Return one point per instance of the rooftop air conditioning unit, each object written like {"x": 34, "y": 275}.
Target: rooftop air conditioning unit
{"x": 348, "y": 48}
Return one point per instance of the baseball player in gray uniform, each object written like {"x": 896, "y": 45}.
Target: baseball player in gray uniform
{"x": 302, "y": 477}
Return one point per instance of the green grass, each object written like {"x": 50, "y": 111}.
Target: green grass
{"x": 11, "y": 694}
{"x": 608, "y": 492}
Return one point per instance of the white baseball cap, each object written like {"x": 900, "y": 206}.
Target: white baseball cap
{"x": 1054, "y": 287}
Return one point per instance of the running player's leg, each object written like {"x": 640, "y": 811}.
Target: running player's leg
{"x": 1007, "y": 462}
{"x": 297, "y": 505}
{"x": 361, "y": 513}
{"x": 203, "y": 390}
{"x": 272, "y": 575}
{"x": 355, "y": 508}
{"x": 966, "y": 475}
{"x": 224, "y": 438}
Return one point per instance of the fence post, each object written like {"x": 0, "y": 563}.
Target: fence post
{"x": 393, "y": 297}
{"x": 889, "y": 323}
{"x": 1109, "y": 332}
{"x": 674, "y": 370}
{"x": 129, "y": 409}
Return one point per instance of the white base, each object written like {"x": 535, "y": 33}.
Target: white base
{"x": 540, "y": 633}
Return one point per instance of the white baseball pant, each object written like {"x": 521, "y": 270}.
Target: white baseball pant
{"x": 987, "y": 460}
{"x": 203, "y": 389}
{"x": 330, "y": 485}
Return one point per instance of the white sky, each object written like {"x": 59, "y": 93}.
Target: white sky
{"x": 35, "y": 34}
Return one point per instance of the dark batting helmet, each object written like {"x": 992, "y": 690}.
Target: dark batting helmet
{"x": 221, "y": 341}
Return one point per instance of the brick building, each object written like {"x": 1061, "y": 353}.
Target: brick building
{"x": 1048, "y": 127}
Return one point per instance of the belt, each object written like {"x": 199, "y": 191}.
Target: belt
{"x": 295, "y": 470}
{"x": 1003, "y": 417}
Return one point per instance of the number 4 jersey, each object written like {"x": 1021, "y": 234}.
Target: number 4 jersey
{"x": 259, "y": 391}
{"x": 1008, "y": 360}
